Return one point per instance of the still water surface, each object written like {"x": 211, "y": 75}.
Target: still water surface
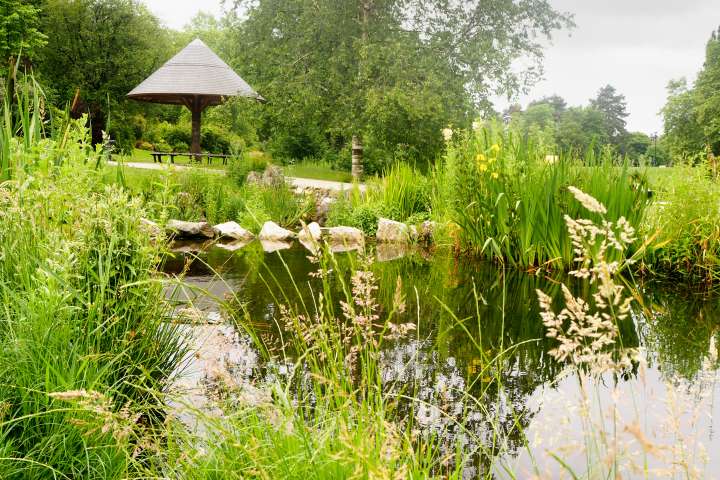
{"x": 660, "y": 413}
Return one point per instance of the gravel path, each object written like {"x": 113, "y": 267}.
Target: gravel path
{"x": 298, "y": 183}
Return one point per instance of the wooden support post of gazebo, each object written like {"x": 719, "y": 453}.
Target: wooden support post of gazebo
{"x": 197, "y": 79}
{"x": 196, "y": 109}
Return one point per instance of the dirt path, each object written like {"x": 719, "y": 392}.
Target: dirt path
{"x": 298, "y": 183}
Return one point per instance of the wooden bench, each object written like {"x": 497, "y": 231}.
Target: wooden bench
{"x": 193, "y": 157}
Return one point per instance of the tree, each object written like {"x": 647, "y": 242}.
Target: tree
{"x": 636, "y": 146}
{"x": 581, "y": 128}
{"x": 394, "y": 71}
{"x": 614, "y": 109}
{"x": 556, "y": 102}
{"x": 707, "y": 94}
{"x": 684, "y": 135}
{"x": 100, "y": 49}
{"x": 19, "y": 32}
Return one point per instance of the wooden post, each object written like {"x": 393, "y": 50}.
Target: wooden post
{"x": 196, "y": 116}
{"x": 357, "y": 159}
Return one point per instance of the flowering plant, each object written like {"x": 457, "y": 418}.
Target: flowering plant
{"x": 584, "y": 333}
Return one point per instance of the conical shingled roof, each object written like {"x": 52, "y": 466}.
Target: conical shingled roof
{"x": 194, "y": 72}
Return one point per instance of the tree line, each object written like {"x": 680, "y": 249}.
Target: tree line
{"x": 577, "y": 129}
{"x": 692, "y": 112}
{"x": 394, "y": 72}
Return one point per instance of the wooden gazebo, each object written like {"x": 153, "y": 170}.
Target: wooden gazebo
{"x": 197, "y": 78}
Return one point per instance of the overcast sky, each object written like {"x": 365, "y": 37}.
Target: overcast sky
{"x": 635, "y": 45}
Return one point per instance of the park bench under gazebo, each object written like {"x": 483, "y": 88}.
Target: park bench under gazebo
{"x": 196, "y": 78}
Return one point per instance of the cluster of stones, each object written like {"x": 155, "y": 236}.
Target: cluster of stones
{"x": 393, "y": 235}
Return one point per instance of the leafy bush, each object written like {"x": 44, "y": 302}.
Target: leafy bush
{"x": 180, "y": 147}
{"x": 215, "y": 140}
{"x": 359, "y": 213}
{"x": 176, "y": 134}
{"x": 142, "y": 145}
{"x": 278, "y": 204}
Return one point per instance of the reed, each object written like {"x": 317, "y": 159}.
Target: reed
{"x": 509, "y": 198}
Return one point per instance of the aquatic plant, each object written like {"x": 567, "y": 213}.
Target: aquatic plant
{"x": 509, "y": 201}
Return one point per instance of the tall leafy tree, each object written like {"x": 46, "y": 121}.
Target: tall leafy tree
{"x": 393, "y": 71}
{"x": 707, "y": 94}
{"x": 97, "y": 51}
{"x": 684, "y": 135}
{"x": 556, "y": 102}
{"x": 19, "y": 32}
{"x": 614, "y": 109}
{"x": 581, "y": 128}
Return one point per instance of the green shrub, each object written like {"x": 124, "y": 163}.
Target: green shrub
{"x": 278, "y": 204}
{"x": 176, "y": 134}
{"x": 359, "y": 213}
{"x": 180, "y": 147}
{"x": 142, "y": 145}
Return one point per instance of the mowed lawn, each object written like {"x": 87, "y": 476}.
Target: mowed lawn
{"x": 317, "y": 171}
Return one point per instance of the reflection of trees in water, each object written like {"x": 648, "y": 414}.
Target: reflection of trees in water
{"x": 482, "y": 336}
{"x": 681, "y": 330}
{"x": 438, "y": 405}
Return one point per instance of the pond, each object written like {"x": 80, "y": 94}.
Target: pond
{"x": 468, "y": 312}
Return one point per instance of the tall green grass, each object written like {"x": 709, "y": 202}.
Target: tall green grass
{"x": 85, "y": 348}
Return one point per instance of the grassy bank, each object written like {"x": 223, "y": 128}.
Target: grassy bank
{"x": 493, "y": 196}
{"x": 84, "y": 350}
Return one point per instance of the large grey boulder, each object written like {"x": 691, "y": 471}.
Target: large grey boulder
{"x": 253, "y": 178}
{"x": 233, "y": 231}
{"x": 345, "y": 238}
{"x": 183, "y": 229}
{"x": 273, "y": 232}
{"x": 427, "y": 231}
{"x": 390, "y": 231}
{"x": 310, "y": 233}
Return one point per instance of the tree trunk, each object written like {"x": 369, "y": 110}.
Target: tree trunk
{"x": 196, "y": 117}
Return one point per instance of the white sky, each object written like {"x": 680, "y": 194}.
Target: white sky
{"x": 635, "y": 45}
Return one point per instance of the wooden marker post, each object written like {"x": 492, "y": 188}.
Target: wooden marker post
{"x": 357, "y": 159}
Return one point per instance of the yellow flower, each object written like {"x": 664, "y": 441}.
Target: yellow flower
{"x": 480, "y": 157}
{"x": 495, "y": 148}
{"x": 495, "y": 175}
{"x": 491, "y": 160}
{"x": 482, "y": 167}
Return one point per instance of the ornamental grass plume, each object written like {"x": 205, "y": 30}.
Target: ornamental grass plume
{"x": 586, "y": 332}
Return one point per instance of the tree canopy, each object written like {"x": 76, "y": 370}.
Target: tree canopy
{"x": 692, "y": 114}
{"x": 100, "y": 49}
{"x": 20, "y": 34}
{"x": 395, "y": 72}
{"x": 335, "y": 68}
